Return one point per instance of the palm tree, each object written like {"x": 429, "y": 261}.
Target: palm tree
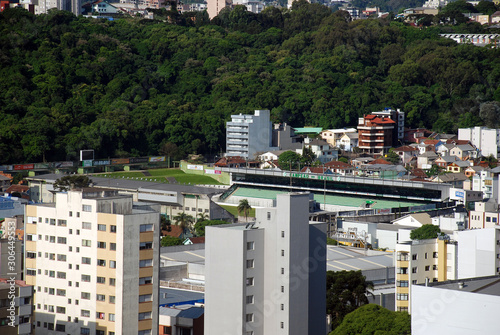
{"x": 184, "y": 221}
{"x": 244, "y": 207}
{"x": 202, "y": 217}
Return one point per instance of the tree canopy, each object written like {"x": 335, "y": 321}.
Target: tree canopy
{"x": 136, "y": 87}
{"x": 373, "y": 319}
{"x": 244, "y": 208}
{"x": 345, "y": 292}
{"x": 71, "y": 182}
{"x": 199, "y": 226}
{"x": 425, "y": 232}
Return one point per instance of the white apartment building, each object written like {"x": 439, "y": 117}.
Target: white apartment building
{"x": 483, "y": 181}
{"x": 422, "y": 261}
{"x": 486, "y": 140}
{"x": 479, "y": 252}
{"x": 93, "y": 258}
{"x": 246, "y": 135}
{"x": 484, "y": 215}
{"x": 269, "y": 276}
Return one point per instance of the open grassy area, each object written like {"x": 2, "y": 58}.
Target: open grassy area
{"x": 234, "y": 210}
{"x": 161, "y": 175}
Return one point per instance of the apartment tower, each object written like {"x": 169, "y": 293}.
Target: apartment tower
{"x": 92, "y": 257}
{"x": 268, "y": 276}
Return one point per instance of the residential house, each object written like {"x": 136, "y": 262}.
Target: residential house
{"x": 319, "y": 170}
{"x": 5, "y": 182}
{"x": 495, "y": 17}
{"x": 406, "y": 153}
{"x": 348, "y": 141}
{"x": 235, "y": 162}
{"x": 184, "y": 319}
{"x": 20, "y": 191}
{"x": 471, "y": 171}
{"x": 332, "y": 136}
{"x": 426, "y": 160}
{"x": 284, "y": 137}
{"x": 455, "y": 179}
{"x": 414, "y": 135}
{"x": 443, "y": 149}
{"x": 99, "y": 7}
{"x": 443, "y": 161}
{"x": 458, "y": 166}
{"x": 360, "y": 161}
{"x": 428, "y": 145}
{"x": 194, "y": 240}
{"x": 320, "y": 148}
{"x": 339, "y": 167}
{"x": 271, "y": 155}
{"x": 463, "y": 151}
{"x": 418, "y": 174}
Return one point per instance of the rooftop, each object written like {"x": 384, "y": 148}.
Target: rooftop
{"x": 483, "y": 285}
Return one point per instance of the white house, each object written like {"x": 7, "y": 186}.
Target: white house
{"x": 334, "y": 135}
{"x": 102, "y": 7}
{"x": 348, "y": 141}
{"x": 413, "y": 220}
{"x": 320, "y": 148}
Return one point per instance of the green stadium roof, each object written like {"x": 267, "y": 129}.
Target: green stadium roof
{"x": 307, "y": 130}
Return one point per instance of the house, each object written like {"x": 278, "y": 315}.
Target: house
{"x": 458, "y": 166}
{"x": 443, "y": 149}
{"x": 332, "y": 136}
{"x": 418, "y": 173}
{"x": 194, "y": 240}
{"x": 443, "y": 161}
{"x": 484, "y": 215}
{"x": 339, "y": 167}
{"x": 426, "y": 160}
{"x": 4, "y": 182}
{"x": 414, "y": 135}
{"x": 270, "y": 155}
{"x": 284, "y": 137}
{"x": 495, "y": 17}
{"x": 455, "y": 179}
{"x": 99, "y": 7}
{"x": 486, "y": 140}
{"x": 320, "y": 148}
{"x": 379, "y": 161}
{"x": 184, "y": 319}
{"x": 318, "y": 170}
{"x": 348, "y": 141}
{"x": 235, "y": 162}
{"x": 20, "y": 191}
{"x": 472, "y": 170}
{"x": 406, "y": 153}
{"x": 360, "y": 161}
{"x": 463, "y": 151}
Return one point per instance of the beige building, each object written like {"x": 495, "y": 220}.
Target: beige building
{"x": 420, "y": 261}
{"x": 16, "y": 318}
{"x": 93, "y": 259}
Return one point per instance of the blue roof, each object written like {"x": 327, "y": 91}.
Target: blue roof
{"x": 191, "y": 313}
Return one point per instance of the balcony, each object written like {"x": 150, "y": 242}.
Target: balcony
{"x": 237, "y": 136}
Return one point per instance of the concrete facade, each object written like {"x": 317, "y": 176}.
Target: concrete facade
{"x": 246, "y": 135}
{"x": 486, "y": 140}
{"x": 94, "y": 260}
{"x": 22, "y": 296}
{"x": 276, "y": 281}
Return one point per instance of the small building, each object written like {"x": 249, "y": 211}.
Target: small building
{"x": 455, "y": 179}
{"x": 332, "y": 136}
{"x": 339, "y": 167}
{"x": 458, "y": 166}
{"x": 414, "y": 220}
{"x": 184, "y": 319}
{"x": 348, "y": 141}
{"x": 23, "y": 303}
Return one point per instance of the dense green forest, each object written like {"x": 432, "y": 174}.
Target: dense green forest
{"x": 131, "y": 87}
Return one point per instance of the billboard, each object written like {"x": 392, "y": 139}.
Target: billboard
{"x": 24, "y": 166}
{"x": 119, "y": 161}
{"x": 86, "y": 155}
{"x": 195, "y": 167}
{"x": 139, "y": 160}
{"x": 157, "y": 159}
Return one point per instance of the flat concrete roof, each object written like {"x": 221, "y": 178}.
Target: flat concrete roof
{"x": 134, "y": 185}
{"x": 483, "y": 285}
{"x": 171, "y": 296}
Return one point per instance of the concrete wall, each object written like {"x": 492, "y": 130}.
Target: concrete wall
{"x": 477, "y": 252}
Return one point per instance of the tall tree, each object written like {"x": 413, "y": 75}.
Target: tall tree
{"x": 71, "y": 182}
{"x": 244, "y": 207}
{"x": 185, "y": 221}
{"x": 426, "y": 231}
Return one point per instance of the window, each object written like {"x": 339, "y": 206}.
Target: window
{"x": 101, "y": 280}
{"x": 112, "y": 246}
{"x": 425, "y": 255}
{"x": 101, "y": 227}
{"x": 70, "y": 213}
{"x": 434, "y": 267}
{"x": 249, "y": 299}
{"x": 85, "y": 331}
{"x": 101, "y": 245}
{"x": 250, "y": 245}
{"x": 145, "y": 263}
{"x": 282, "y": 271}
{"x": 61, "y": 292}
{"x": 112, "y": 299}
{"x": 30, "y": 254}
{"x": 269, "y": 215}
{"x": 402, "y": 271}
{"x": 60, "y": 328}
{"x": 61, "y": 258}
{"x": 111, "y": 317}
{"x": 101, "y": 262}
{"x": 52, "y": 274}
{"x": 414, "y": 257}
{"x": 112, "y": 229}
{"x": 144, "y": 332}
{"x": 70, "y": 249}
{"x": 283, "y": 253}
{"x": 100, "y": 315}
{"x": 282, "y": 233}
{"x": 146, "y": 227}
{"x": 282, "y": 289}
{"x": 86, "y": 225}
{"x": 282, "y": 325}
{"x": 70, "y": 266}
{"x": 145, "y": 280}
{"x": 52, "y": 291}
{"x": 52, "y": 257}
{"x": 52, "y": 222}
{"x": 145, "y": 298}
{"x": 51, "y": 308}
{"x": 52, "y": 239}
{"x": 85, "y": 278}
{"x": 50, "y": 325}
{"x": 86, "y": 243}
{"x": 435, "y": 254}
{"x": 31, "y": 272}
{"x": 100, "y": 297}
{"x": 402, "y": 283}
{"x": 414, "y": 270}
{"x": 250, "y": 281}
{"x": 112, "y": 281}
{"x": 427, "y": 267}
{"x": 402, "y": 296}
{"x": 62, "y": 223}
{"x": 145, "y": 316}
{"x": 61, "y": 310}
{"x": 145, "y": 245}
{"x": 112, "y": 264}
{"x": 282, "y": 307}
{"x": 249, "y": 317}
{"x": 250, "y": 263}
{"x": 86, "y": 260}
{"x": 167, "y": 330}
{"x": 86, "y": 295}
{"x": 86, "y": 208}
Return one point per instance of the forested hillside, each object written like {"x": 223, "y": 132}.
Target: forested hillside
{"x": 126, "y": 87}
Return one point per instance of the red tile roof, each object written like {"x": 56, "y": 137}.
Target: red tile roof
{"x": 175, "y": 231}
{"x": 196, "y": 240}
{"x": 382, "y": 120}
{"x": 406, "y": 148}
{"x": 338, "y": 165}
{"x": 314, "y": 169}
{"x": 380, "y": 161}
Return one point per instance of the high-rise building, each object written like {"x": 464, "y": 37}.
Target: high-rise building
{"x": 268, "y": 276}
{"x": 93, "y": 258}
{"x": 16, "y": 307}
{"x": 215, "y": 6}
{"x": 381, "y": 130}
{"x": 486, "y": 140}
{"x": 421, "y": 261}
{"x": 246, "y": 135}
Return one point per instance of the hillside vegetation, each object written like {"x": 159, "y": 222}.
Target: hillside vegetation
{"x": 130, "y": 87}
